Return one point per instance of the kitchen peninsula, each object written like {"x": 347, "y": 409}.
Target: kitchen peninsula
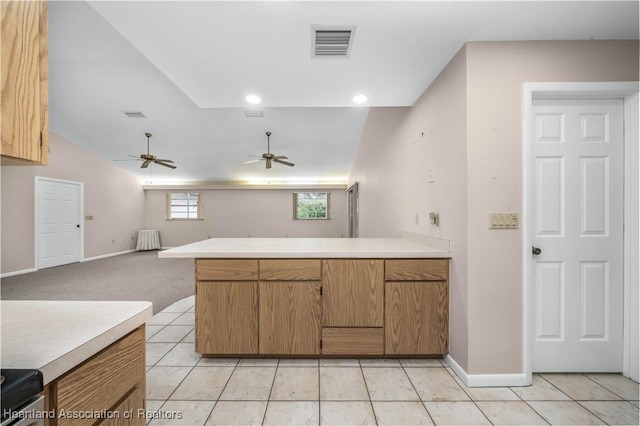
{"x": 320, "y": 296}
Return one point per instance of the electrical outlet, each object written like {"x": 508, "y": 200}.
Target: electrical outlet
{"x": 434, "y": 218}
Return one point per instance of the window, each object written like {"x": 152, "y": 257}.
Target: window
{"x": 310, "y": 205}
{"x": 184, "y": 206}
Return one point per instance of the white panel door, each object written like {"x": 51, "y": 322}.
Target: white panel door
{"x": 59, "y": 213}
{"x": 577, "y": 201}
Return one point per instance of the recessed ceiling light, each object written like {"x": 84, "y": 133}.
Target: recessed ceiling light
{"x": 253, "y": 99}
{"x": 360, "y": 99}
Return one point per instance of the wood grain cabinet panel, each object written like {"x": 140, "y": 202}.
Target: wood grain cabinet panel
{"x": 290, "y": 318}
{"x": 352, "y": 341}
{"x": 416, "y": 269}
{"x": 25, "y": 74}
{"x": 227, "y": 317}
{"x": 135, "y": 404}
{"x": 226, "y": 269}
{"x": 102, "y": 382}
{"x": 290, "y": 269}
{"x": 353, "y": 292}
{"x": 416, "y": 317}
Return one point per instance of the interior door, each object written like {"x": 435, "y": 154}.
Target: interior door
{"x": 577, "y": 222}
{"x": 59, "y": 214}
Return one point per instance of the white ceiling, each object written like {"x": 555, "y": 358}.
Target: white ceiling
{"x": 189, "y": 65}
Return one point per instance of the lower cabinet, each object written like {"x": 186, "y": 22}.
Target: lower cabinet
{"x": 416, "y": 317}
{"x": 315, "y": 307}
{"x": 227, "y": 317}
{"x": 112, "y": 383}
{"x": 352, "y": 341}
{"x": 290, "y": 317}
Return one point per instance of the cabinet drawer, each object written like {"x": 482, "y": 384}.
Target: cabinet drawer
{"x": 290, "y": 269}
{"x": 352, "y": 341}
{"x": 416, "y": 270}
{"x": 100, "y": 382}
{"x": 226, "y": 269}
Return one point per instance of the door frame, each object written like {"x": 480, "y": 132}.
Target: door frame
{"x": 628, "y": 91}
{"x": 353, "y": 209}
{"x": 36, "y": 218}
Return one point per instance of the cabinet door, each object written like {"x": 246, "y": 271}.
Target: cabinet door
{"x": 24, "y": 81}
{"x": 227, "y": 317}
{"x": 290, "y": 318}
{"x": 101, "y": 382}
{"x": 352, "y": 292}
{"x": 416, "y": 317}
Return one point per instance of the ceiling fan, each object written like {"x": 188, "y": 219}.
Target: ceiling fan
{"x": 148, "y": 158}
{"x": 268, "y": 157}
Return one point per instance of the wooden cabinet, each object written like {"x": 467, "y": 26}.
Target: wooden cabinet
{"x": 333, "y": 307}
{"x": 226, "y": 306}
{"x": 112, "y": 381}
{"x": 290, "y": 318}
{"x": 352, "y": 341}
{"x": 227, "y": 317}
{"x": 416, "y": 307}
{"x": 353, "y": 291}
{"x": 290, "y": 312}
{"x": 24, "y": 80}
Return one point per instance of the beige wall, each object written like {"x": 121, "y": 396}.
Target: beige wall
{"x": 471, "y": 117}
{"x": 244, "y": 213}
{"x": 496, "y": 73}
{"x": 112, "y": 196}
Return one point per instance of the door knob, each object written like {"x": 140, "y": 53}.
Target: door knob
{"x": 536, "y": 251}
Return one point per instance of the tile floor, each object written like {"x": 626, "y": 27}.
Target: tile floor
{"x": 185, "y": 389}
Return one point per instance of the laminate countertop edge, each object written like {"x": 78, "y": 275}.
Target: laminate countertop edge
{"x": 227, "y": 248}
{"x": 56, "y": 336}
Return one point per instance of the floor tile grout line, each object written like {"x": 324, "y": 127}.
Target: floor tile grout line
{"x": 601, "y": 385}
{"x": 418, "y": 394}
{"x": 319, "y": 394}
{"x": 273, "y": 381}
{"x": 571, "y": 398}
{"x": 221, "y": 391}
{"x": 366, "y": 386}
{"x": 451, "y": 373}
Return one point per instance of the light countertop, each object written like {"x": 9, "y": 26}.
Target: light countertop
{"x": 306, "y": 248}
{"x": 56, "y": 336}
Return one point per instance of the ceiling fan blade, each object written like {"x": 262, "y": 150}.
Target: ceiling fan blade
{"x": 286, "y": 163}
{"x": 145, "y": 164}
{"x": 134, "y": 156}
{"x": 253, "y": 161}
{"x": 280, "y": 157}
{"x": 162, "y": 163}
{"x": 268, "y": 163}
{"x": 126, "y": 159}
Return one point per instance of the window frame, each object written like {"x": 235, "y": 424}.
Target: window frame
{"x": 169, "y": 206}
{"x": 295, "y": 205}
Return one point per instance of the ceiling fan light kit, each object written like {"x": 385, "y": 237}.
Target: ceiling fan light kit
{"x": 269, "y": 158}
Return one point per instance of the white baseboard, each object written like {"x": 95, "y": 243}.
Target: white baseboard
{"x": 486, "y": 380}
{"x": 86, "y": 259}
{"x": 24, "y": 271}
{"x": 102, "y": 256}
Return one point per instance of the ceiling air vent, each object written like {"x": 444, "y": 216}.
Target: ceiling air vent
{"x": 331, "y": 42}
{"x": 253, "y": 113}
{"x": 134, "y": 114}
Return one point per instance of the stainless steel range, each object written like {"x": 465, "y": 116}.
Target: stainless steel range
{"x": 21, "y": 400}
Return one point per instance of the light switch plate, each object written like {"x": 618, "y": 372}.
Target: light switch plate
{"x": 504, "y": 220}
